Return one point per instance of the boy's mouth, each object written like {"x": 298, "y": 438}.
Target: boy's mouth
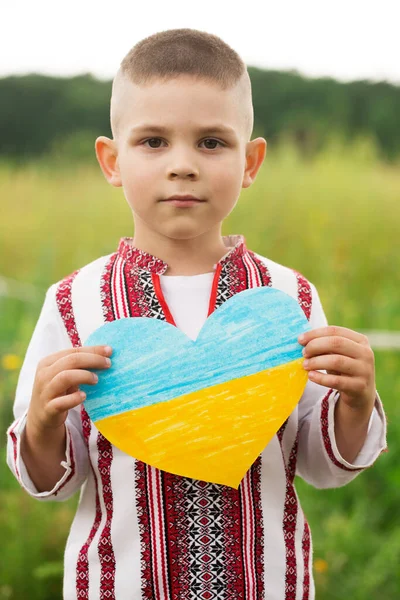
{"x": 183, "y": 197}
{"x": 186, "y": 200}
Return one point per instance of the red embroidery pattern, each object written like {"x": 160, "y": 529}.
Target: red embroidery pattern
{"x": 139, "y": 259}
{"x": 206, "y": 554}
{"x": 105, "y": 548}
{"x": 289, "y": 525}
{"x": 136, "y": 283}
{"x": 306, "y": 545}
{"x": 177, "y": 535}
{"x": 64, "y": 304}
{"x": 304, "y": 294}
{"x": 143, "y": 513}
{"x": 264, "y": 274}
{"x": 158, "y": 531}
{"x": 233, "y": 541}
{"x": 280, "y": 433}
{"x": 325, "y": 434}
{"x": 15, "y": 446}
{"x": 82, "y": 567}
{"x": 259, "y": 528}
{"x": 105, "y": 290}
{"x": 252, "y": 533}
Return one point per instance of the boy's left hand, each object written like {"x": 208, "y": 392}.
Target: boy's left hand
{"x": 348, "y": 359}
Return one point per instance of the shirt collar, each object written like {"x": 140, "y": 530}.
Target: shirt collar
{"x": 235, "y": 243}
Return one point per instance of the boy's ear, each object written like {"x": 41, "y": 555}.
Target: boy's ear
{"x": 107, "y": 156}
{"x": 255, "y": 154}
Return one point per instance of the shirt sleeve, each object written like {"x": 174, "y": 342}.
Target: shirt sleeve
{"x": 49, "y": 336}
{"x": 319, "y": 461}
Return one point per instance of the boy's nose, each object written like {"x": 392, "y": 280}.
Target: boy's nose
{"x": 183, "y": 171}
{"x": 182, "y": 162}
{"x": 175, "y": 174}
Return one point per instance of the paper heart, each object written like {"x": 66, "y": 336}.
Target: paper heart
{"x": 203, "y": 409}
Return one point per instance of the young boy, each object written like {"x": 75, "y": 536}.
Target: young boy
{"x": 181, "y": 116}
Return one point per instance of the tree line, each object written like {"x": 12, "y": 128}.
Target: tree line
{"x": 39, "y": 114}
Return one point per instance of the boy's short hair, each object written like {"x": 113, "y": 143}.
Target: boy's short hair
{"x": 183, "y": 51}
{"x": 168, "y": 54}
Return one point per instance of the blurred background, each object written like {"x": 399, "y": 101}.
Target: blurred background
{"x": 326, "y": 93}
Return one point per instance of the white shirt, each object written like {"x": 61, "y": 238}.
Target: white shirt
{"x": 133, "y": 524}
{"x": 187, "y": 297}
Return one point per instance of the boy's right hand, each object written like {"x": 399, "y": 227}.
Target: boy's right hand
{"x": 56, "y": 384}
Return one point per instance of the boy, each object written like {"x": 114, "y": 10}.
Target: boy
{"x": 140, "y": 532}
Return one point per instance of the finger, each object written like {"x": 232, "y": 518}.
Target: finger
{"x": 334, "y": 364}
{"x": 334, "y": 345}
{"x": 52, "y": 358}
{"x": 65, "y": 403}
{"x": 72, "y": 389}
{"x": 341, "y": 383}
{"x": 64, "y": 380}
{"x": 78, "y": 360}
{"x": 332, "y": 330}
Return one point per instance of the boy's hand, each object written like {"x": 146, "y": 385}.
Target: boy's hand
{"x": 347, "y": 358}
{"x": 56, "y": 385}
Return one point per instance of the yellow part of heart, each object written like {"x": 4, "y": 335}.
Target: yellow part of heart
{"x": 214, "y": 434}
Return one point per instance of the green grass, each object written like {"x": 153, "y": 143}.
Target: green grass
{"x": 335, "y": 219}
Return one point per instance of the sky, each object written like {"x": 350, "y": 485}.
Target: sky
{"x": 347, "y": 40}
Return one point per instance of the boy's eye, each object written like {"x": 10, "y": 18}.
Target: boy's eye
{"x": 213, "y": 141}
{"x": 151, "y": 140}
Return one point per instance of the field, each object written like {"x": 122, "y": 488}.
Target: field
{"x": 336, "y": 219}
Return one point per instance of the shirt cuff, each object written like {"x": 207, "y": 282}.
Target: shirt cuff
{"x": 17, "y": 465}
{"x": 375, "y": 442}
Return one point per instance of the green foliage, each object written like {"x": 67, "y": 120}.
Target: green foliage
{"x": 39, "y": 113}
{"x": 49, "y": 570}
{"x": 310, "y": 110}
{"x": 335, "y": 218}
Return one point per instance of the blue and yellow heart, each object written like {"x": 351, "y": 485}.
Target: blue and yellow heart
{"x": 203, "y": 409}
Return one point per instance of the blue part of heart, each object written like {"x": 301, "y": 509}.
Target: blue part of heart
{"x": 154, "y": 361}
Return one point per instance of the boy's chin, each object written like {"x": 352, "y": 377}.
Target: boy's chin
{"x": 183, "y": 233}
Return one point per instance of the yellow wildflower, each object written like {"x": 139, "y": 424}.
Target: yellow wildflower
{"x": 11, "y": 362}
{"x": 320, "y": 565}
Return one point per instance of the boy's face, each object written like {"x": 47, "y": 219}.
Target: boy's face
{"x": 152, "y": 165}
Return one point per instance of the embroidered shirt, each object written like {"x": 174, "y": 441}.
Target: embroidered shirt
{"x": 142, "y": 533}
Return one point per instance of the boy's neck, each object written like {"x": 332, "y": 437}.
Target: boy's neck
{"x": 185, "y": 257}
